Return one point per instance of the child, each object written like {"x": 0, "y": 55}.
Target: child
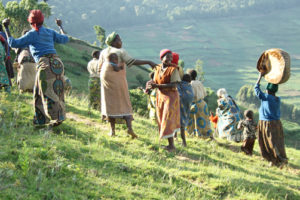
{"x": 214, "y": 121}
{"x": 186, "y": 98}
{"x": 151, "y": 99}
{"x": 249, "y": 127}
{"x": 113, "y": 60}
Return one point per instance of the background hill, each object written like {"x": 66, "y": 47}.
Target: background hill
{"x": 228, "y": 36}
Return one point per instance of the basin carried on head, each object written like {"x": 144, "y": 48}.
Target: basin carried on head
{"x": 277, "y": 65}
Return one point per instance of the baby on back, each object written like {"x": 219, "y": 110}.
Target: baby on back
{"x": 113, "y": 61}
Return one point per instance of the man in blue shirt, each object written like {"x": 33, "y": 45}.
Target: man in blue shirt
{"x": 270, "y": 130}
{"x": 49, "y": 86}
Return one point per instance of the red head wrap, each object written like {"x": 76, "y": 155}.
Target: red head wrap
{"x": 36, "y": 19}
{"x": 175, "y": 58}
{"x": 164, "y": 52}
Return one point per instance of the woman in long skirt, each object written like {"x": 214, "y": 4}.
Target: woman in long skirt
{"x": 270, "y": 130}
{"x": 49, "y": 100}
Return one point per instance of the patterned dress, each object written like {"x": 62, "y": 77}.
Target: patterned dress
{"x": 228, "y": 118}
{"x": 249, "y": 130}
{"x": 94, "y": 85}
{"x": 186, "y": 95}
{"x": 199, "y": 124}
{"x": 167, "y": 102}
{"x": 152, "y": 105}
{"x": 4, "y": 80}
{"x": 49, "y": 91}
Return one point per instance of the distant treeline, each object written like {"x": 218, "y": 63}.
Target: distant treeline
{"x": 86, "y": 14}
{"x": 247, "y": 97}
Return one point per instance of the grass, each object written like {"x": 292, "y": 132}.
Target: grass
{"x": 78, "y": 160}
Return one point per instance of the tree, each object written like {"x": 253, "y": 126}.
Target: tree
{"x": 199, "y": 70}
{"x": 181, "y": 63}
{"x": 18, "y": 13}
{"x": 100, "y": 34}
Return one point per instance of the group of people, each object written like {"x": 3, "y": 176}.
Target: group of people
{"x": 177, "y": 99}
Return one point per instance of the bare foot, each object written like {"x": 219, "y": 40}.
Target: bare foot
{"x": 169, "y": 148}
{"x": 133, "y": 135}
{"x": 112, "y": 134}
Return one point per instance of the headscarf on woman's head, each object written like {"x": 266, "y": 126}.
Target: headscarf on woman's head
{"x": 163, "y": 53}
{"x": 110, "y": 38}
{"x": 36, "y": 19}
{"x": 222, "y": 93}
{"x": 175, "y": 58}
{"x": 272, "y": 87}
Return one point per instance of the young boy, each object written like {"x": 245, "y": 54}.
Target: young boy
{"x": 113, "y": 60}
{"x": 249, "y": 127}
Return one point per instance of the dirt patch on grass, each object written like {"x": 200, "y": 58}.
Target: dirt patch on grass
{"x": 86, "y": 121}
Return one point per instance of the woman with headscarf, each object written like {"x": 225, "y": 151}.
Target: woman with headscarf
{"x": 228, "y": 117}
{"x": 49, "y": 100}
{"x": 199, "y": 123}
{"x": 166, "y": 78}
{"x": 115, "y": 102}
{"x": 94, "y": 82}
{"x": 270, "y": 130}
{"x": 4, "y": 79}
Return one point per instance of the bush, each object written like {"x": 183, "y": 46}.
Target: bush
{"x": 139, "y": 101}
{"x": 211, "y": 99}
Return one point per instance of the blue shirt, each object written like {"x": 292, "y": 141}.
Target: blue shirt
{"x": 40, "y": 42}
{"x": 270, "y": 105}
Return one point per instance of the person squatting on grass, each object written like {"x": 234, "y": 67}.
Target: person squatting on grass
{"x": 115, "y": 101}
{"x": 166, "y": 78}
{"x": 49, "y": 102}
{"x": 249, "y": 129}
{"x": 270, "y": 130}
{"x": 94, "y": 82}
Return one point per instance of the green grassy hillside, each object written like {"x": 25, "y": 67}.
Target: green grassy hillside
{"x": 77, "y": 160}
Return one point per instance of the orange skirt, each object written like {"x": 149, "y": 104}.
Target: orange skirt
{"x": 168, "y": 113}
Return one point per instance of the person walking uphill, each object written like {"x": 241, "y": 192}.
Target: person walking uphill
{"x": 167, "y": 98}
{"x": 49, "y": 100}
{"x": 115, "y": 102}
{"x": 270, "y": 130}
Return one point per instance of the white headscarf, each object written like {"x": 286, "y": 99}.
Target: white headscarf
{"x": 222, "y": 93}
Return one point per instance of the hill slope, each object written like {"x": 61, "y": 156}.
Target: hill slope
{"x": 77, "y": 53}
{"x": 77, "y": 160}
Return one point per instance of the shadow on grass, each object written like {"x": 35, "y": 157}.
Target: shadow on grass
{"x": 82, "y": 112}
{"x": 73, "y": 132}
{"x": 267, "y": 190}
